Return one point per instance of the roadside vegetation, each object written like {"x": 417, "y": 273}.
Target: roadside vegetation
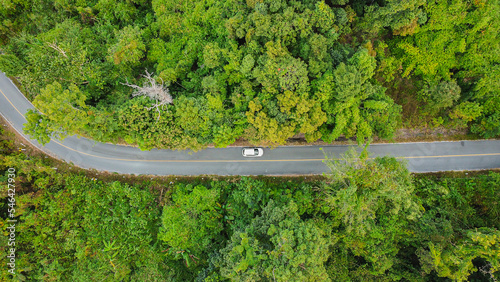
{"x": 186, "y": 74}
{"x": 366, "y": 220}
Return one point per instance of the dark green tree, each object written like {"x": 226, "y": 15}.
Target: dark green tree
{"x": 440, "y": 95}
{"x": 355, "y": 106}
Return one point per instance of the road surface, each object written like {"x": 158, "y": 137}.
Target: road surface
{"x": 85, "y": 153}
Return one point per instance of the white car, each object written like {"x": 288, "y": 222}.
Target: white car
{"x": 252, "y": 152}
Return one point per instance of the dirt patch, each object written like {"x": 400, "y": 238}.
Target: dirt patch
{"x": 424, "y": 134}
{"x": 432, "y": 134}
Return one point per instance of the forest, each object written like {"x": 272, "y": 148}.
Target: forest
{"x": 188, "y": 74}
{"x": 366, "y": 220}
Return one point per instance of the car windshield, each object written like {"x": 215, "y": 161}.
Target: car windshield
{"x": 256, "y": 151}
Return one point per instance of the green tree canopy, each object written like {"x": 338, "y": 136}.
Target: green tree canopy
{"x": 59, "y": 112}
{"x": 355, "y": 106}
{"x": 279, "y": 246}
{"x": 372, "y": 205}
{"x": 191, "y": 222}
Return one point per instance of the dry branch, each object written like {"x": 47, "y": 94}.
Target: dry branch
{"x": 58, "y": 49}
{"x": 153, "y": 90}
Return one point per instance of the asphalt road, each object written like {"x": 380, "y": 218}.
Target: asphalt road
{"x": 85, "y": 153}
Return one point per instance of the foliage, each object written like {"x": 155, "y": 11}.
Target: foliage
{"x": 455, "y": 260}
{"x": 487, "y": 95}
{"x": 72, "y": 227}
{"x": 277, "y": 245}
{"x": 356, "y": 106}
{"x": 263, "y": 71}
{"x": 372, "y": 205}
{"x": 129, "y": 48}
{"x": 58, "y": 113}
{"x": 457, "y": 233}
{"x": 191, "y": 222}
{"x": 440, "y": 95}
{"x": 457, "y": 43}
{"x": 402, "y": 17}
{"x": 255, "y": 68}
{"x": 363, "y": 222}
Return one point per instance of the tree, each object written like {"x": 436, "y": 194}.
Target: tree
{"x": 351, "y": 101}
{"x": 138, "y": 125}
{"x": 458, "y": 232}
{"x": 371, "y": 204}
{"x": 440, "y": 95}
{"x": 69, "y": 54}
{"x": 454, "y": 260}
{"x": 191, "y": 116}
{"x": 278, "y": 246}
{"x": 155, "y": 91}
{"x": 129, "y": 48}
{"x": 120, "y": 12}
{"x": 266, "y": 128}
{"x": 78, "y": 228}
{"x": 466, "y": 111}
{"x": 398, "y": 15}
{"x": 431, "y": 54}
{"x": 284, "y": 107}
{"x": 191, "y": 222}
{"x": 457, "y": 43}
{"x": 59, "y": 112}
{"x": 487, "y": 93}
{"x": 11, "y": 64}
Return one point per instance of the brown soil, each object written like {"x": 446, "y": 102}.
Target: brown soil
{"x": 401, "y": 135}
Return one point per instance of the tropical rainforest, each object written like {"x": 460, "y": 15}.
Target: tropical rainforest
{"x": 366, "y": 220}
{"x": 185, "y": 74}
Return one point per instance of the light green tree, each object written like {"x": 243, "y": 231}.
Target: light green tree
{"x": 454, "y": 259}
{"x": 59, "y": 112}
{"x": 191, "y": 222}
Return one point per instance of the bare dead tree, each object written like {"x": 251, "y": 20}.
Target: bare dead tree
{"x": 153, "y": 90}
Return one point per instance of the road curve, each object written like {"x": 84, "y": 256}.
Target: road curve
{"x": 85, "y": 153}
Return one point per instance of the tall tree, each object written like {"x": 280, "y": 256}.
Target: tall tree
{"x": 372, "y": 205}
{"x": 440, "y": 95}
{"x": 128, "y": 50}
{"x": 402, "y": 17}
